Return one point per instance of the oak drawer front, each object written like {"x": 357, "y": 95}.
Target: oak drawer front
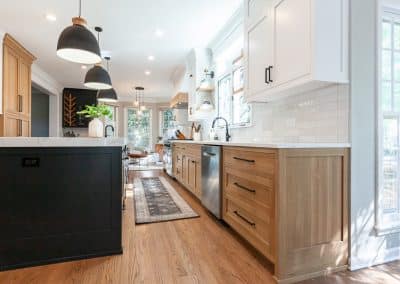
{"x": 257, "y": 196}
{"x": 255, "y": 230}
{"x": 194, "y": 150}
{"x": 252, "y": 161}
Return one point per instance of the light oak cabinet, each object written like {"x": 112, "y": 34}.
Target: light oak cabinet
{"x": 291, "y": 205}
{"x": 186, "y": 166}
{"x": 16, "y": 118}
{"x": 294, "y": 46}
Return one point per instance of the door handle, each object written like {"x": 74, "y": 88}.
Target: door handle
{"x": 269, "y": 74}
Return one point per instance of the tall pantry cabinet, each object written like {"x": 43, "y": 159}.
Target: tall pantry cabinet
{"x": 15, "y": 120}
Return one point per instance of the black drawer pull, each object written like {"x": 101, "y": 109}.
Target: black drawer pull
{"x": 245, "y": 188}
{"x": 244, "y": 219}
{"x": 244, "y": 160}
{"x": 193, "y": 162}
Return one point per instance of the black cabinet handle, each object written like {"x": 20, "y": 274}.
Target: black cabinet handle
{"x": 244, "y": 160}
{"x": 244, "y": 219}
{"x": 269, "y": 74}
{"x": 245, "y": 188}
{"x": 193, "y": 162}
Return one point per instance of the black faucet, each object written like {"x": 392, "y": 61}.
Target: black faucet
{"x": 228, "y": 137}
{"x": 105, "y": 130}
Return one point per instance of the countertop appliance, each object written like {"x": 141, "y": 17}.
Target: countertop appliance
{"x": 211, "y": 179}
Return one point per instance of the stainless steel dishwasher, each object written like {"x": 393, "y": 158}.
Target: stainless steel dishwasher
{"x": 211, "y": 179}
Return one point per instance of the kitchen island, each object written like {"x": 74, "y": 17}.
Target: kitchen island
{"x": 60, "y": 199}
{"x": 288, "y": 200}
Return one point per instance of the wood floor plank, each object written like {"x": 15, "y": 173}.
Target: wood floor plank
{"x": 191, "y": 251}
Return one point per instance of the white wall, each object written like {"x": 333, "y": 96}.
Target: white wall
{"x": 366, "y": 247}
{"x": 51, "y": 87}
{"x": 2, "y": 34}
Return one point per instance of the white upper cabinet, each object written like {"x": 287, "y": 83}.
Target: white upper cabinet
{"x": 256, "y": 10}
{"x": 197, "y": 61}
{"x": 259, "y": 51}
{"x": 294, "y": 46}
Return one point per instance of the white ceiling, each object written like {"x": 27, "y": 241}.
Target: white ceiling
{"x": 129, "y": 34}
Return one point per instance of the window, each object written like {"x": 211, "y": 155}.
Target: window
{"x": 113, "y": 120}
{"x": 166, "y": 116}
{"x": 231, "y": 101}
{"x": 139, "y": 129}
{"x": 389, "y": 122}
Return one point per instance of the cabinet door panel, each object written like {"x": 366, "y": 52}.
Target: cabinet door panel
{"x": 11, "y": 75}
{"x": 259, "y": 56}
{"x": 25, "y": 87}
{"x": 192, "y": 175}
{"x": 292, "y": 40}
{"x": 198, "y": 179}
{"x": 11, "y": 126}
{"x": 256, "y": 10}
{"x": 25, "y": 128}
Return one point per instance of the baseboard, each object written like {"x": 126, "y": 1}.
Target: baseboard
{"x": 375, "y": 263}
{"x": 307, "y": 276}
{"x": 59, "y": 260}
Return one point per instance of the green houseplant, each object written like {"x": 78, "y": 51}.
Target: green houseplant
{"x": 97, "y": 113}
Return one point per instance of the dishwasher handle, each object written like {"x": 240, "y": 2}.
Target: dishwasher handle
{"x": 208, "y": 154}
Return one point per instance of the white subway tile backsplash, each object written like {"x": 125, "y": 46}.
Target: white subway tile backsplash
{"x": 319, "y": 116}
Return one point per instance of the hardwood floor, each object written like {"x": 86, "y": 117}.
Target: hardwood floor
{"x": 200, "y": 250}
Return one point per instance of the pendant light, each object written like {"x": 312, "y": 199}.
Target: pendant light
{"x": 77, "y": 44}
{"x": 139, "y": 102}
{"x": 108, "y": 96}
{"x": 136, "y": 103}
{"x": 142, "y": 106}
{"x": 97, "y": 77}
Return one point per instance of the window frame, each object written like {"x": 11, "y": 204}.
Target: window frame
{"x": 385, "y": 222}
{"x": 230, "y": 72}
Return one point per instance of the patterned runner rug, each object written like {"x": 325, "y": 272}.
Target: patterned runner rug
{"x": 157, "y": 201}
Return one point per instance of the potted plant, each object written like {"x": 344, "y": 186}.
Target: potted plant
{"x": 96, "y": 126}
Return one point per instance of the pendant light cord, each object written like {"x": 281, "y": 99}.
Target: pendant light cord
{"x": 80, "y": 8}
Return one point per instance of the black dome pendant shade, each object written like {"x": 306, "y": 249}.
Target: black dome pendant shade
{"x": 108, "y": 96}
{"x": 98, "y": 78}
{"x": 77, "y": 44}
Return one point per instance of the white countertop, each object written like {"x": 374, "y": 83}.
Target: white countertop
{"x": 61, "y": 142}
{"x": 269, "y": 145}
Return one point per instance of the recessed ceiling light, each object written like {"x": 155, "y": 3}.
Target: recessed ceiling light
{"x": 147, "y": 72}
{"x": 151, "y": 58}
{"x": 84, "y": 67}
{"x": 51, "y": 17}
{"x": 159, "y": 33}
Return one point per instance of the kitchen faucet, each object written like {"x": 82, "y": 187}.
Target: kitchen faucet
{"x": 228, "y": 137}
{"x": 106, "y": 128}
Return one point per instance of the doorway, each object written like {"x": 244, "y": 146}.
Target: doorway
{"x": 40, "y": 113}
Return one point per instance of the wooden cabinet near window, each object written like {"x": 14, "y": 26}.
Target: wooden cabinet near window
{"x": 16, "y": 117}
{"x": 187, "y": 166}
{"x": 291, "y": 205}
